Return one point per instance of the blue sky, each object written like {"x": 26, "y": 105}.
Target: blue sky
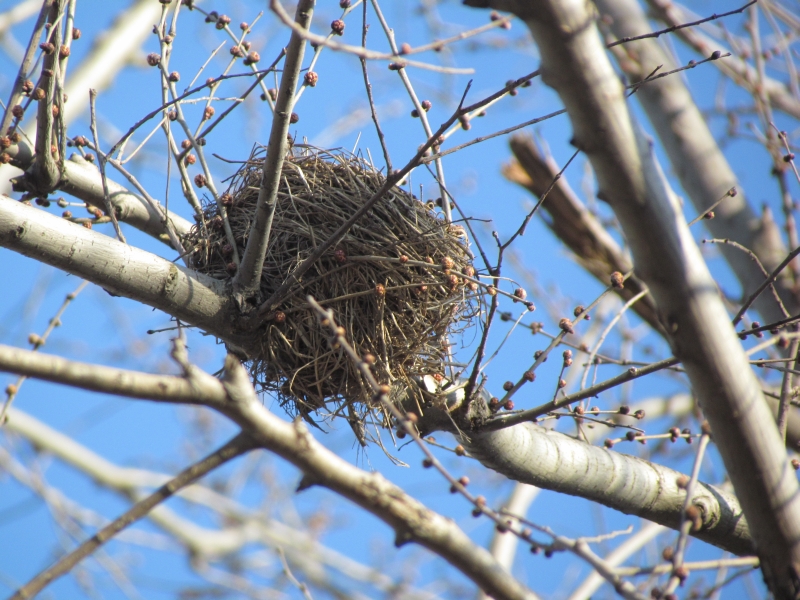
{"x": 106, "y": 330}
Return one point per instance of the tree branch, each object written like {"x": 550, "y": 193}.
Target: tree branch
{"x": 525, "y": 453}
{"x": 22, "y": 74}
{"x": 696, "y": 158}
{"x": 236, "y": 447}
{"x": 575, "y": 64}
{"x": 412, "y": 521}
{"x": 531, "y": 454}
{"x": 192, "y": 297}
{"x": 738, "y": 70}
{"x": 45, "y": 171}
{"x": 248, "y": 277}
{"x": 594, "y": 248}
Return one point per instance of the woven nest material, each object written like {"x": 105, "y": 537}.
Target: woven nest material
{"x": 394, "y": 282}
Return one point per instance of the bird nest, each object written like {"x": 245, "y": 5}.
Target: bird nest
{"x": 395, "y": 282}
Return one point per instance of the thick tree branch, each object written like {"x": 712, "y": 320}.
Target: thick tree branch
{"x": 575, "y": 64}
{"x": 525, "y": 453}
{"x": 123, "y": 270}
{"x": 696, "y": 158}
{"x": 108, "y": 380}
{"x": 82, "y": 179}
{"x": 412, "y": 521}
{"x": 531, "y": 454}
{"x": 779, "y": 96}
{"x": 594, "y": 248}
{"x": 248, "y": 277}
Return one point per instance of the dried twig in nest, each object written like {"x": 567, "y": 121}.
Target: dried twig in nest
{"x": 395, "y": 281}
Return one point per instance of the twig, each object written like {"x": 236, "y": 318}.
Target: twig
{"x": 25, "y": 65}
{"x": 634, "y": 87}
{"x": 756, "y": 260}
{"x": 786, "y": 389}
{"x": 248, "y": 276}
{"x": 161, "y": 211}
{"x": 768, "y": 281}
{"x": 707, "y": 212}
{"x": 276, "y": 7}
{"x": 259, "y": 81}
{"x": 236, "y": 447}
{"x": 580, "y": 548}
{"x": 209, "y": 84}
{"x": 290, "y": 576}
{"x": 37, "y": 341}
{"x": 531, "y": 414}
{"x": 45, "y": 170}
{"x": 483, "y": 138}
{"x": 567, "y": 328}
{"x": 702, "y": 565}
{"x": 542, "y": 198}
{"x": 607, "y": 330}
{"x": 660, "y": 32}
{"x": 422, "y": 113}
{"x": 687, "y": 524}
{"x": 101, "y": 161}
{"x": 368, "y": 87}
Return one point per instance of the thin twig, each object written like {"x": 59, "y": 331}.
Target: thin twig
{"x": 707, "y": 212}
{"x": 634, "y": 87}
{"x": 660, "y": 32}
{"x": 45, "y": 168}
{"x": 756, "y": 260}
{"x": 542, "y": 198}
{"x": 607, "y": 331}
{"x": 422, "y": 113}
{"x": 368, "y": 87}
{"x": 533, "y": 413}
{"x": 101, "y": 161}
{"x": 687, "y": 524}
{"x": 276, "y": 7}
{"x": 767, "y": 282}
{"x": 483, "y": 138}
{"x": 37, "y": 341}
{"x": 25, "y": 65}
{"x": 786, "y": 389}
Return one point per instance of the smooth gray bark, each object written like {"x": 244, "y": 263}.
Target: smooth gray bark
{"x": 575, "y": 63}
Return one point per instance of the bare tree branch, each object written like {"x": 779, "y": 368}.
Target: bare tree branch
{"x": 45, "y": 171}
{"x": 24, "y": 67}
{"x": 412, "y": 521}
{"x": 248, "y": 277}
{"x": 575, "y": 64}
{"x": 733, "y": 67}
{"x": 236, "y": 447}
{"x": 594, "y": 248}
{"x": 525, "y": 453}
{"x": 696, "y": 158}
{"x": 120, "y": 269}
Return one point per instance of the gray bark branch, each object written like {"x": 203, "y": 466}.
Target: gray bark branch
{"x": 575, "y": 63}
